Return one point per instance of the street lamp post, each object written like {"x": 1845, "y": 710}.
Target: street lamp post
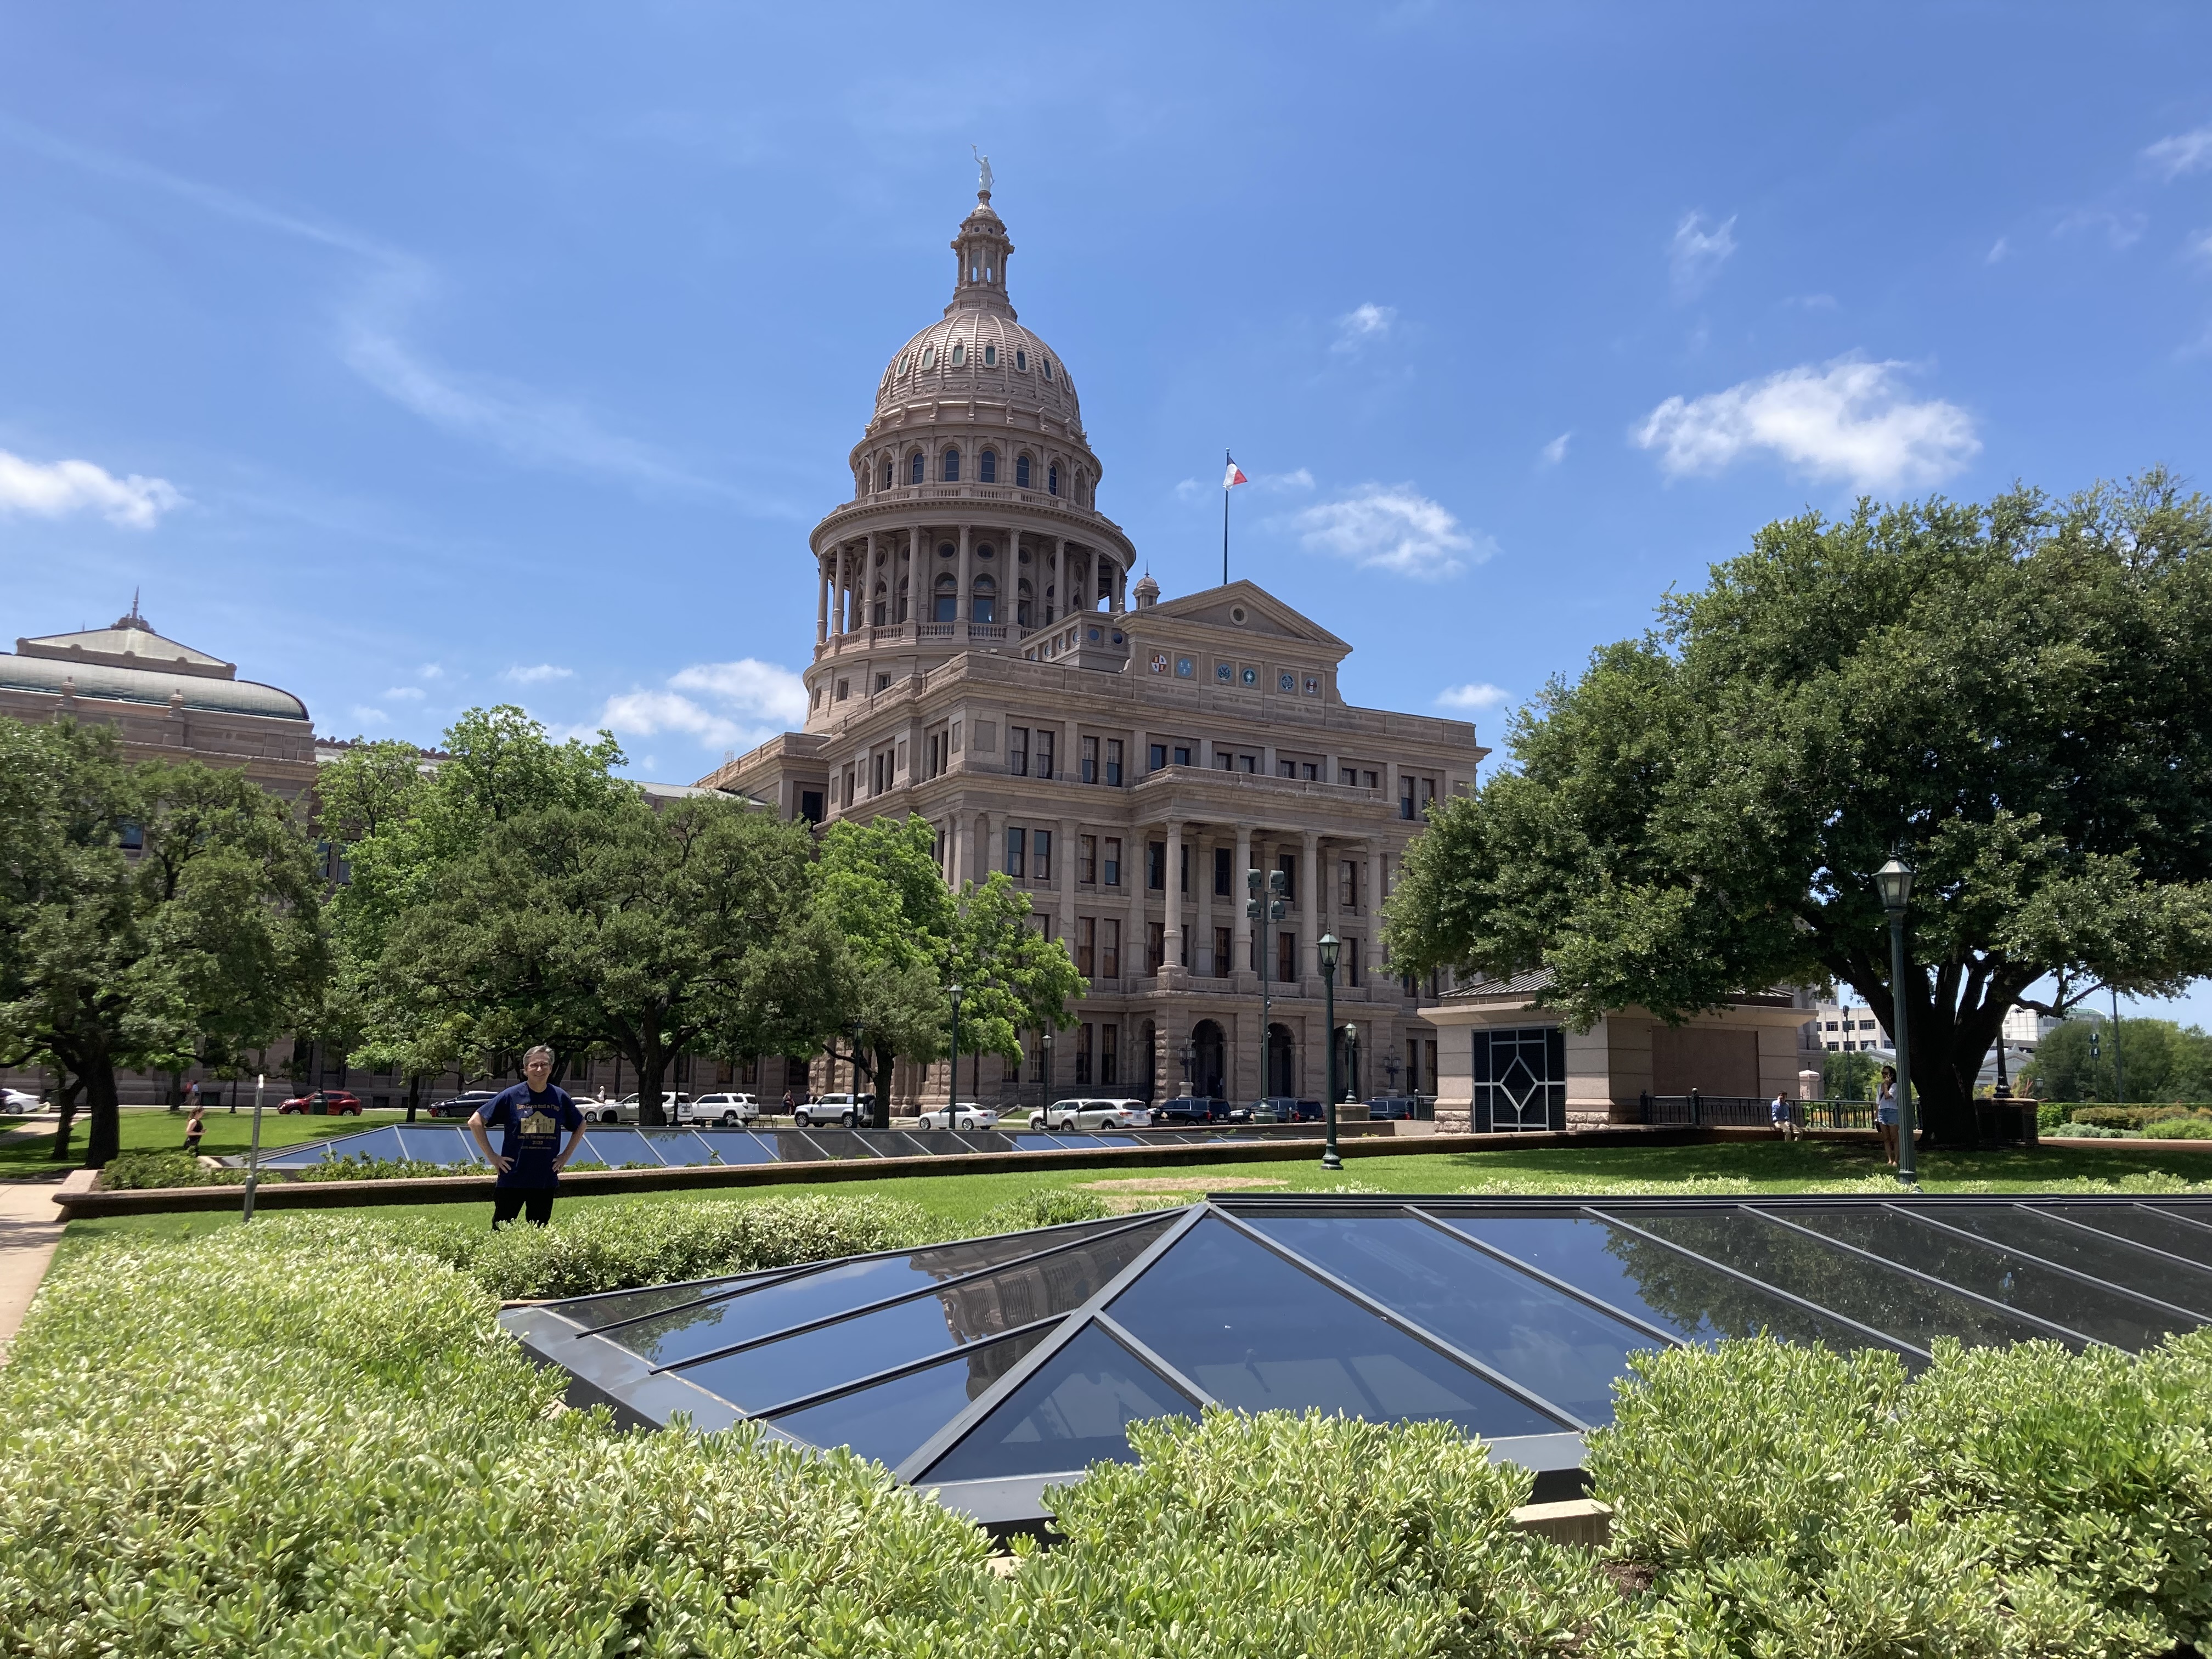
{"x": 952, "y": 1104}
{"x": 1189, "y": 1064}
{"x": 1328, "y": 948}
{"x": 1044, "y": 1037}
{"x": 1895, "y": 882}
{"x": 1350, "y": 1059}
{"x": 1262, "y": 907}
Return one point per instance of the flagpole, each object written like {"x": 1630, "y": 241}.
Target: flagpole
{"x": 1228, "y": 460}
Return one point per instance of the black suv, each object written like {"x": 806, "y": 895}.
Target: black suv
{"x": 462, "y": 1106}
{"x": 1190, "y": 1109}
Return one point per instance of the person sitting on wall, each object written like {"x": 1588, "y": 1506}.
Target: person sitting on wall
{"x": 1782, "y": 1110}
{"x": 533, "y": 1113}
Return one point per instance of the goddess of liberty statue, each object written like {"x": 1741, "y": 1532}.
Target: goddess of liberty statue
{"x": 983, "y": 161}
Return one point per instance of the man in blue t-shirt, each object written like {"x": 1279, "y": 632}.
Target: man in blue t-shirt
{"x": 530, "y": 1161}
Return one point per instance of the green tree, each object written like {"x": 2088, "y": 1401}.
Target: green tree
{"x": 603, "y": 927}
{"x": 151, "y": 915}
{"x": 2010, "y": 695}
{"x": 1849, "y": 1077}
{"x": 2163, "y": 1061}
{"x": 1013, "y": 976}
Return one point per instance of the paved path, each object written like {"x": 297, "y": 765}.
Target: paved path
{"x": 30, "y": 1227}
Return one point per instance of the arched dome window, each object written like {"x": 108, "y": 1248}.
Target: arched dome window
{"x": 987, "y": 600}
{"x": 1024, "y": 606}
{"x": 1052, "y": 479}
{"x": 947, "y": 602}
{"x": 959, "y": 353}
{"x": 919, "y": 466}
{"x": 952, "y": 466}
{"x": 986, "y": 467}
{"x": 882, "y": 605}
{"x": 929, "y": 358}
{"x": 1021, "y": 472}
{"x": 990, "y": 356}
{"x": 887, "y": 475}
{"x": 900, "y": 616}
{"x": 1044, "y": 363}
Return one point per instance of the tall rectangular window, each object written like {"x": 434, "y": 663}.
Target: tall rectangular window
{"x": 1156, "y": 946}
{"x": 1089, "y": 760}
{"x": 1044, "y": 747}
{"x": 1017, "y": 751}
{"x": 1221, "y": 871}
{"x": 1347, "y": 885}
{"x": 1288, "y": 864}
{"x": 1111, "y": 876}
{"x": 1113, "y": 763}
{"x": 1222, "y": 953}
{"x": 1351, "y": 962}
{"x": 1156, "y": 865}
{"x": 1017, "y": 849}
{"x": 1086, "y": 859}
{"x": 1109, "y": 948}
{"x": 1182, "y": 754}
{"x": 1159, "y": 758}
{"x": 1286, "y": 958}
{"x": 1108, "y": 1042}
{"x": 1040, "y": 850}
{"x": 1082, "y": 1053}
{"x": 1086, "y": 940}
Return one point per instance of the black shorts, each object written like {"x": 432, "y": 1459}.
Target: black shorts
{"x": 508, "y": 1202}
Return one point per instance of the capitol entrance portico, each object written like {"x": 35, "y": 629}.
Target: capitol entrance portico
{"x": 987, "y": 657}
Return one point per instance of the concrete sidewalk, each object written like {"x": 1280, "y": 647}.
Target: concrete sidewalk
{"x": 30, "y": 1226}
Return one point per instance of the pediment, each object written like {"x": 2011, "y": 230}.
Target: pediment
{"x": 1263, "y": 615}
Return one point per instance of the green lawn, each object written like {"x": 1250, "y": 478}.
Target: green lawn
{"x": 1759, "y": 1166}
{"x": 152, "y": 1129}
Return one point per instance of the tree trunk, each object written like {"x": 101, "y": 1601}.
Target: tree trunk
{"x": 71, "y": 1087}
{"x": 652, "y": 1067}
{"x": 104, "y": 1137}
{"x": 414, "y": 1093}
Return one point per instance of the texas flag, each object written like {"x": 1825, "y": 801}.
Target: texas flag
{"x": 1234, "y": 476}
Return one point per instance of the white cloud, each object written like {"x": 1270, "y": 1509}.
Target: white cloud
{"x": 1848, "y": 419}
{"x": 2121, "y": 230}
{"x": 404, "y": 693}
{"x": 1556, "y": 451}
{"x": 1363, "y": 326}
{"x": 1474, "y": 697}
{"x": 431, "y": 671}
{"x": 1813, "y": 301}
{"x": 2185, "y": 152}
{"x": 53, "y": 489}
{"x": 731, "y": 705}
{"x": 1257, "y": 484}
{"x": 1698, "y": 252}
{"x": 2000, "y": 250}
{"x": 2199, "y": 247}
{"x": 1393, "y": 527}
{"x": 537, "y": 674}
{"x": 369, "y": 716}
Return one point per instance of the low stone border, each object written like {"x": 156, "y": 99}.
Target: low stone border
{"x": 478, "y": 1189}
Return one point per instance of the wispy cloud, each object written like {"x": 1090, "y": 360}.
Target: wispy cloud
{"x": 537, "y": 673}
{"x": 2199, "y": 247}
{"x": 2121, "y": 230}
{"x": 720, "y": 705}
{"x": 367, "y": 716}
{"x": 1474, "y": 697}
{"x": 431, "y": 671}
{"x": 1698, "y": 251}
{"x": 1296, "y": 481}
{"x": 2000, "y": 250}
{"x": 404, "y": 694}
{"x": 2185, "y": 152}
{"x": 1812, "y": 301}
{"x": 1363, "y": 326}
{"x": 54, "y": 490}
{"x": 1393, "y": 527}
{"x": 1556, "y": 451}
{"x": 1848, "y": 419}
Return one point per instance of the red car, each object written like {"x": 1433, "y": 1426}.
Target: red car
{"x": 322, "y": 1101}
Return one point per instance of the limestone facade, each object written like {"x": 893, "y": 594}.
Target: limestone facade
{"x": 983, "y": 658}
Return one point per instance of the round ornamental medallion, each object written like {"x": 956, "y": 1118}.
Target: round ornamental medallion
{"x": 1159, "y": 662}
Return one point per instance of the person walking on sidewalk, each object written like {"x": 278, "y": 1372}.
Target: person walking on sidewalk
{"x": 195, "y": 1127}
{"x": 534, "y": 1115}
{"x": 1886, "y": 1114}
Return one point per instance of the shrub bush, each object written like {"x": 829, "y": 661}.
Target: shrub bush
{"x": 1041, "y": 1209}
{"x": 2179, "y": 1128}
{"x": 131, "y": 1171}
{"x": 2133, "y": 1117}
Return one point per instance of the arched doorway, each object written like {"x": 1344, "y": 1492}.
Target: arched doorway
{"x": 1209, "y": 1067}
{"x": 1148, "y": 1064}
{"x": 1282, "y": 1062}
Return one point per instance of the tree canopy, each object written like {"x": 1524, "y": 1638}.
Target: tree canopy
{"x": 2010, "y": 696}
{"x": 2163, "y": 1061}
{"x": 151, "y": 915}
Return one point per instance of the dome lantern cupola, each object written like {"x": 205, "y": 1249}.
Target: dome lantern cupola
{"x": 981, "y": 248}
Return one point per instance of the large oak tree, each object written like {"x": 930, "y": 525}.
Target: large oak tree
{"x": 2013, "y": 696}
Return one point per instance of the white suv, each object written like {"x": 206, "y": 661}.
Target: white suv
{"x": 967, "y": 1115}
{"x": 727, "y": 1110}
{"x": 603, "y": 1110}
{"x": 1068, "y": 1116}
{"x": 832, "y": 1108}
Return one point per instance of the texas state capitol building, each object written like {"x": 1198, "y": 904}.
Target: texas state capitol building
{"x": 984, "y": 656}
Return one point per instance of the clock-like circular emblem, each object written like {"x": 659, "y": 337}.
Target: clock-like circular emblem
{"x": 1251, "y": 676}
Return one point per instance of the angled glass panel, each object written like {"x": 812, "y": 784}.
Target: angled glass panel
{"x": 796, "y": 1146}
{"x": 844, "y": 1142}
{"x": 594, "y": 1312}
{"x": 676, "y": 1147}
{"x": 685, "y": 1332}
{"x": 1998, "y": 1272}
{"x": 736, "y": 1146}
{"x": 1074, "y": 1411}
{"x": 616, "y": 1147}
{"x": 1109, "y": 1140}
{"x": 2152, "y": 1227}
{"x": 429, "y": 1145}
{"x": 1909, "y": 1309}
{"x": 1035, "y": 1142}
{"x": 2116, "y": 1261}
{"x": 1258, "y": 1334}
{"x": 1541, "y": 1338}
{"x": 982, "y": 1141}
{"x": 381, "y": 1143}
{"x": 888, "y": 1420}
{"x": 768, "y": 1375}
{"x": 1650, "y": 1281}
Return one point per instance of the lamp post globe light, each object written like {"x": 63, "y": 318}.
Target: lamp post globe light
{"x": 1044, "y": 1037}
{"x": 1327, "y": 947}
{"x": 953, "y": 1102}
{"x": 1894, "y": 881}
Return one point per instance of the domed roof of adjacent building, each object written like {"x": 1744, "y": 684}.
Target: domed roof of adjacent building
{"x": 127, "y": 662}
{"x": 978, "y": 348}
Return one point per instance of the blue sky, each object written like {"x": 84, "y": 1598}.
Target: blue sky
{"x": 422, "y": 356}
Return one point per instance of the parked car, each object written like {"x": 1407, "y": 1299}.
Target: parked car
{"x": 1406, "y": 1106}
{"x": 1070, "y": 1115}
{"x": 846, "y": 1109}
{"x": 1190, "y": 1108}
{"x": 727, "y": 1110}
{"x": 1281, "y": 1109}
{"x": 317, "y": 1101}
{"x": 966, "y": 1115}
{"x": 624, "y": 1110}
{"x": 18, "y": 1100}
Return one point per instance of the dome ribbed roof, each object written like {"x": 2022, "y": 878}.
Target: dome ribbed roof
{"x": 1027, "y": 372}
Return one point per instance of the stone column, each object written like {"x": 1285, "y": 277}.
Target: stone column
{"x": 820, "y": 600}
{"x": 868, "y": 589}
{"x": 1202, "y": 873}
{"x": 1059, "y": 580}
{"x": 1238, "y": 897}
{"x": 1309, "y": 908}
{"x": 1374, "y": 890}
{"x": 1171, "y": 946}
{"x": 988, "y": 856}
{"x": 963, "y": 849}
{"x": 1120, "y": 587}
{"x": 1134, "y": 962}
{"x": 963, "y": 607}
{"x": 1063, "y": 871}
